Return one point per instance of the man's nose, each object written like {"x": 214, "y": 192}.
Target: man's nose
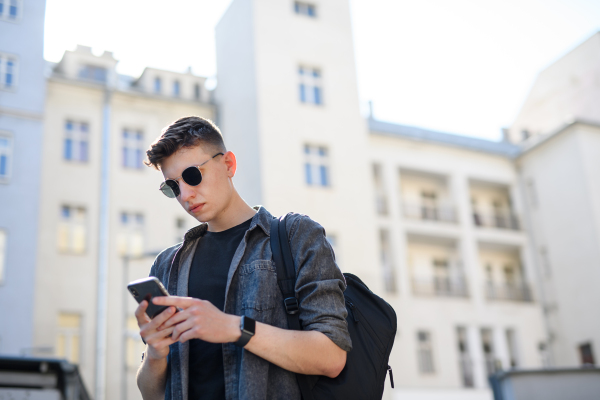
{"x": 187, "y": 191}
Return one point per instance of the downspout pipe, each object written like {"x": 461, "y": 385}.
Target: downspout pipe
{"x": 103, "y": 251}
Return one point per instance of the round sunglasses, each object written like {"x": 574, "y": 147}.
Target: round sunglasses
{"x": 191, "y": 175}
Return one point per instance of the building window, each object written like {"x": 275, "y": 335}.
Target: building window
{"x": 511, "y": 342}
{"x": 465, "y": 362}
{"x": 72, "y": 230}
{"x": 76, "y": 143}
{"x": 197, "y": 91}
{"x": 380, "y": 194}
{"x": 385, "y": 252}
{"x": 310, "y": 85}
{"x": 8, "y": 71}
{"x": 157, "y": 85}
{"x": 135, "y": 347}
{"x": 68, "y": 339}
{"x": 488, "y": 352}
{"x": 5, "y": 158}
{"x": 306, "y": 9}
{"x": 133, "y": 149}
{"x": 10, "y": 10}
{"x": 176, "y": 89}
{"x": 130, "y": 240}
{"x": 3, "y": 247}
{"x": 316, "y": 166}
{"x": 93, "y": 73}
{"x": 425, "y": 352}
{"x": 586, "y": 353}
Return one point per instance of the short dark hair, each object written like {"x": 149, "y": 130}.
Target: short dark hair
{"x": 185, "y": 132}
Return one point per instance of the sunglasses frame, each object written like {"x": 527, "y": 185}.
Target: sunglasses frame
{"x": 163, "y": 184}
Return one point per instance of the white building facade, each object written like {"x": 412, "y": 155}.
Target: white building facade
{"x": 467, "y": 239}
{"x": 22, "y": 99}
{"x": 431, "y": 221}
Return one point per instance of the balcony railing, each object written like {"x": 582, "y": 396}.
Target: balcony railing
{"x": 502, "y": 221}
{"x": 512, "y": 292}
{"x": 442, "y": 287}
{"x": 428, "y": 213}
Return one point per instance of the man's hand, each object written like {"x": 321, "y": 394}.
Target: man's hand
{"x": 198, "y": 319}
{"x": 158, "y": 341}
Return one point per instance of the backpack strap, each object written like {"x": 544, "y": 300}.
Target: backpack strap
{"x": 286, "y": 279}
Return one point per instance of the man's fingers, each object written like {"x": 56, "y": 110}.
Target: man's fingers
{"x": 174, "y": 320}
{"x": 156, "y": 336}
{"x": 140, "y": 313}
{"x": 162, "y": 317}
{"x": 179, "y": 329}
{"x": 183, "y": 302}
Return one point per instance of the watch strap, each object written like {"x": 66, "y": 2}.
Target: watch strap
{"x": 246, "y": 333}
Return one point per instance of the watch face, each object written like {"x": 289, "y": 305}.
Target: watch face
{"x": 249, "y": 325}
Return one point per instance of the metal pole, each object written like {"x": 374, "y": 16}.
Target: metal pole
{"x": 103, "y": 248}
{"x": 124, "y": 375}
{"x": 126, "y": 260}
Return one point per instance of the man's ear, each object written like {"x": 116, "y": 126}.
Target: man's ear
{"x": 231, "y": 163}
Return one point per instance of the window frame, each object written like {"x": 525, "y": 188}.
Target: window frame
{"x": 4, "y": 58}
{"x": 310, "y": 85}
{"x": 5, "y": 179}
{"x": 69, "y": 223}
{"x": 69, "y": 333}
{"x": 130, "y": 230}
{"x": 424, "y": 347}
{"x": 317, "y": 162}
{"x": 137, "y": 149}
{"x": 76, "y": 135}
{"x": 5, "y": 14}
{"x": 305, "y": 9}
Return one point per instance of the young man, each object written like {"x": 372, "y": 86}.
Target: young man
{"x": 222, "y": 271}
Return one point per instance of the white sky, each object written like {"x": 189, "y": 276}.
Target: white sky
{"x": 462, "y": 66}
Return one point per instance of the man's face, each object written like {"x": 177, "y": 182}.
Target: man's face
{"x": 212, "y": 196}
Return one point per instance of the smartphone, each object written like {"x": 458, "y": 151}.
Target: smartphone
{"x": 146, "y": 289}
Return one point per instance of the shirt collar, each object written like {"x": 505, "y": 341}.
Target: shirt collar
{"x": 262, "y": 219}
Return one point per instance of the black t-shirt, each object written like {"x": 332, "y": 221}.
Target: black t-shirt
{"x": 207, "y": 281}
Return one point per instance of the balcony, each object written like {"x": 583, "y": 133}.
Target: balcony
{"x": 440, "y": 287}
{"x": 428, "y": 213}
{"x": 510, "y": 292}
{"x": 506, "y": 220}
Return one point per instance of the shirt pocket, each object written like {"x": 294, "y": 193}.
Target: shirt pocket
{"x": 259, "y": 286}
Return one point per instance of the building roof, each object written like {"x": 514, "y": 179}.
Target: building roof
{"x": 504, "y": 149}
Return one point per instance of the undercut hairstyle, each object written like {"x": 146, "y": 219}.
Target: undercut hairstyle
{"x": 186, "y": 132}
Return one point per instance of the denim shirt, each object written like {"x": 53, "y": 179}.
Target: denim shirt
{"x": 252, "y": 290}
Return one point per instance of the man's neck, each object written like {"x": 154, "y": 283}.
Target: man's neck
{"x": 237, "y": 212}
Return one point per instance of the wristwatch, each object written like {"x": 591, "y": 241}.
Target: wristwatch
{"x": 247, "y": 326}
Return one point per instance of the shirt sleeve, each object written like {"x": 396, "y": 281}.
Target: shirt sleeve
{"x": 320, "y": 284}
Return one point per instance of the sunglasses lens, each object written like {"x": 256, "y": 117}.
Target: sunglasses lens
{"x": 170, "y": 189}
{"x": 192, "y": 176}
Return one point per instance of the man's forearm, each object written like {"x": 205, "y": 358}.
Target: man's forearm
{"x": 152, "y": 378}
{"x": 306, "y": 352}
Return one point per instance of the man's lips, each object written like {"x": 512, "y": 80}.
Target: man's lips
{"x": 196, "y": 207}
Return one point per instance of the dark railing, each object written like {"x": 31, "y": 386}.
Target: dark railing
{"x": 506, "y": 220}
{"x": 514, "y": 292}
{"x": 428, "y": 213}
{"x": 442, "y": 287}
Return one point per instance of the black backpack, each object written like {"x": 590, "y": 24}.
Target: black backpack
{"x": 371, "y": 323}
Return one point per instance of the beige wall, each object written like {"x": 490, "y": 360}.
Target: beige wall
{"x": 67, "y": 282}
